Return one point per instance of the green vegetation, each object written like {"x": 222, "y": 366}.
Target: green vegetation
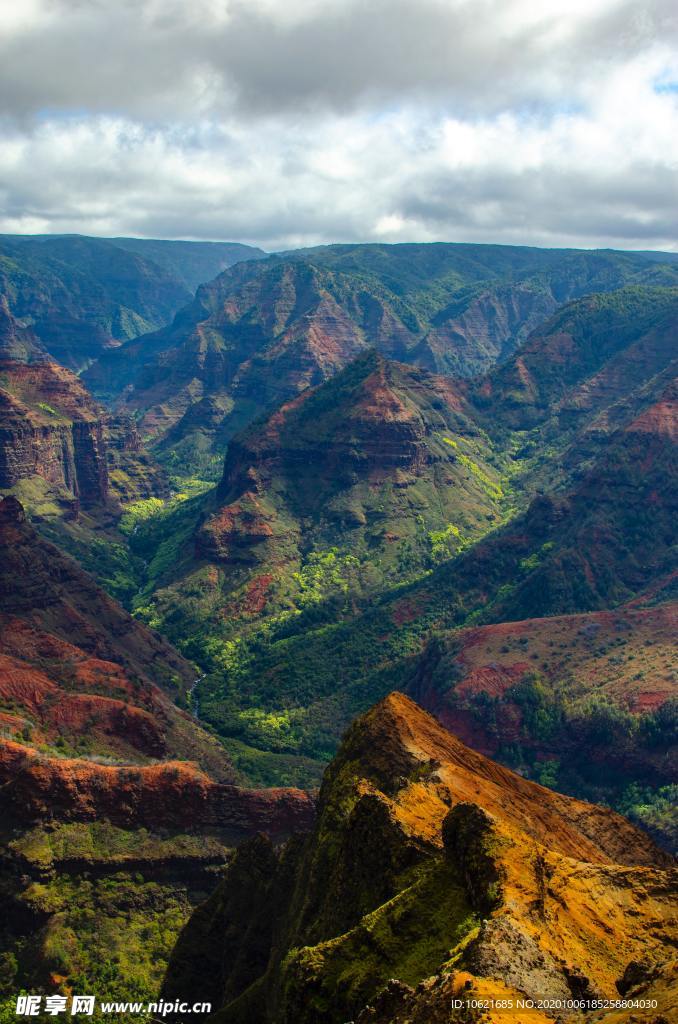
{"x": 139, "y": 512}
{"x": 111, "y": 935}
{"x": 408, "y": 938}
{"x": 656, "y": 810}
{"x": 489, "y": 485}
{"x": 102, "y": 842}
{"x": 103, "y": 554}
{"x": 324, "y": 575}
{"x": 106, "y": 924}
{"x": 445, "y": 543}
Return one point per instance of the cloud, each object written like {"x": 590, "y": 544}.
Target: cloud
{"x": 313, "y": 120}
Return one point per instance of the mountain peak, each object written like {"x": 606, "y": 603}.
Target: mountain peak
{"x": 428, "y": 864}
{"x": 378, "y": 435}
{"x": 397, "y": 742}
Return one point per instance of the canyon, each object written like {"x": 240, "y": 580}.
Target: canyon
{"x": 243, "y": 532}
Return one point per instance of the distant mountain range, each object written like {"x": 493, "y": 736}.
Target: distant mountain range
{"x": 79, "y": 296}
{"x": 263, "y": 331}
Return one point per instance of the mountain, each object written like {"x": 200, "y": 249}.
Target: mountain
{"x": 604, "y": 543}
{"x": 75, "y": 467}
{"x": 80, "y": 296}
{"x": 116, "y": 804}
{"x": 590, "y": 370}
{"x": 262, "y": 331}
{"x": 432, "y": 874}
{"x": 192, "y": 263}
{"x": 381, "y": 465}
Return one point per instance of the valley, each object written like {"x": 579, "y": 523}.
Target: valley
{"x": 252, "y": 539}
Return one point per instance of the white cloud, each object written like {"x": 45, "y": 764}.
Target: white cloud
{"x": 303, "y": 122}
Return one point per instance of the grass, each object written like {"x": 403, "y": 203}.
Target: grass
{"x": 408, "y": 938}
{"x": 102, "y": 928}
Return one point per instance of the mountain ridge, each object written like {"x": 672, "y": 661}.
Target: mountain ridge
{"x": 415, "y": 885}
{"x": 261, "y": 332}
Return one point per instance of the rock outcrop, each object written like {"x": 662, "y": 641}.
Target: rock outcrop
{"x": 431, "y": 873}
{"x": 318, "y": 470}
{"x": 51, "y": 428}
{"x": 37, "y": 789}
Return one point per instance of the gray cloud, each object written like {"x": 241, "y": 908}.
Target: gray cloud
{"x": 313, "y": 120}
{"x": 162, "y": 60}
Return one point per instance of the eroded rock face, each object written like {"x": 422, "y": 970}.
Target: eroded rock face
{"x": 431, "y": 873}
{"x": 51, "y": 428}
{"x": 328, "y": 462}
{"x": 133, "y": 473}
{"x": 174, "y": 794}
{"x": 17, "y": 341}
{"x": 75, "y": 667}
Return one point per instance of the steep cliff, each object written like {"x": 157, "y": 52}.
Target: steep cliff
{"x": 431, "y": 873}
{"x": 51, "y": 428}
{"x": 61, "y": 450}
{"x": 17, "y": 342}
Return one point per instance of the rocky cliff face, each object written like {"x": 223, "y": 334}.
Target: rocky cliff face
{"x": 41, "y": 789}
{"x": 53, "y": 613}
{"x": 132, "y": 471}
{"x": 331, "y": 455}
{"x": 50, "y": 427}
{"x": 17, "y": 342}
{"x": 431, "y": 872}
{"x": 56, "y": 439}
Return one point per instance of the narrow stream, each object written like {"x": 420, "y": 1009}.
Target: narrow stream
{"x": 192, "y": 697}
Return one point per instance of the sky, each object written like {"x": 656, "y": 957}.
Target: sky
{"x": 285, "y": 123}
